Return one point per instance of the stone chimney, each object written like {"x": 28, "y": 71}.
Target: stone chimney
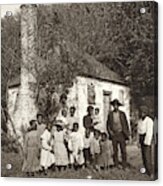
{"x": 28, "y": 43}
{"x": 25, "y": 104}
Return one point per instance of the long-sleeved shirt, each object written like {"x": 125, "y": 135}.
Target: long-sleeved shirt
{"x": 146, "y": 127}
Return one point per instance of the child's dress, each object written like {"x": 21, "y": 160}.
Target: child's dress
{"x": 95, "y": 150}
{"x": 98, "y": 125}
{"x": 96, "y": 119}
{"x": 105, "y": 158}
{"x": 60, "y": 151}
{"x": 47, "y": 157}
{"x": 31, "y": 152}
{"x": 76, "y": 146}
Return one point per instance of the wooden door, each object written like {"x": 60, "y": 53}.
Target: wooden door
{"x": 107, "y": 106}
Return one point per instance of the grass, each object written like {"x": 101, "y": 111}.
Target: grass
{"x": 134, "y": 158}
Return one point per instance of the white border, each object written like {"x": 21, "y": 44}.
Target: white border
{"x": 49, "y": 182}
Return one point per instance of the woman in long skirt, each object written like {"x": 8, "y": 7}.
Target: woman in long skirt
{"x": 31, "y": 151}
{"x": 60, "y": 151}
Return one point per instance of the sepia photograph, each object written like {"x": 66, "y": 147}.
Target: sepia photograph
{"x": 79, "y": 91}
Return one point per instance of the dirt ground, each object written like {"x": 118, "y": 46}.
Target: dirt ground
{"x": 133, "y": 173}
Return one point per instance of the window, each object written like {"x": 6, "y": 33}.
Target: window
{"x": 91, "y": 93}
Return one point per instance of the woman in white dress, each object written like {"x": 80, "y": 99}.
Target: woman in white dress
{"x": 47, "y": 156}
{"x": 60, "y": 151}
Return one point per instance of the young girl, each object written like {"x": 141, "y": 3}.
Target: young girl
{"x": 60, "y": 150}
{"x": 47, "y": 155}
{"x": 95, "y": 148}
{"x": 106, "y": 152}
{"x": 31, "y": 150}
{"x": 76, "y": 146}
{"x": 87, "y": 144}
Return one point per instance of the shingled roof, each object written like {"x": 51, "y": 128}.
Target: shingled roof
{"x": 90, "y": 68}
{"x": 95, "y": 69}
{"x": 100, "y": 71}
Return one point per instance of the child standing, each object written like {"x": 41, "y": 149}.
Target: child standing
{"x": 87, "y": 144}
{"x": 31, "y": 150}
{"x": 95, "y": 148}
{"x": 76, "y": 146}
{"x": 106, "y": 152}
{"x": 60, "y": 150}
{"x": 47, "y": 155}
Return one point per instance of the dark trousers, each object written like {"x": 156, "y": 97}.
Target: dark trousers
{"x": 119, "y": 139}
{"x": 87, "y": 155}
{"x": 146, "y": 152}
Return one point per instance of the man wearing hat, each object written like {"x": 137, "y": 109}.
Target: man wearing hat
{"x": 117, "y": 127}
{"x": 145, "y": 131}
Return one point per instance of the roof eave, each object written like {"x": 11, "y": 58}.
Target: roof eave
{"x": 103, "y": 79}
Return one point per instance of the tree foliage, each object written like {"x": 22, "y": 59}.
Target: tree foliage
{"x": 10, "y": 51}
{"x": 116, "y": 34}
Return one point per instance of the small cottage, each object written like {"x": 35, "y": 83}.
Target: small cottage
{"x": 88, "y": 89}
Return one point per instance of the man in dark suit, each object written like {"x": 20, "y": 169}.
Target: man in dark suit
{"x": 118, "y": 130}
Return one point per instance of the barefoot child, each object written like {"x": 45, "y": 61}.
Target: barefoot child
{"x": 31, "y": 150}
{"x": 95, "y": 149}
{"x": 106, "y": 152}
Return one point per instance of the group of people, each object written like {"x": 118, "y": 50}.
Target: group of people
{"x": 60, "y": 145}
